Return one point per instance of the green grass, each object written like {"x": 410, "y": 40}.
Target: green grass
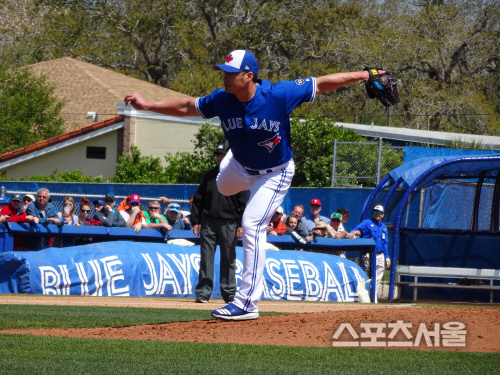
{"x": 45, "y": 316}
{"x": 24, "y": 354}
{"x": 52, "y": 355}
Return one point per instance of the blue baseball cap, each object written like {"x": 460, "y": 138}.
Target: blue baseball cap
{"x": 16, "y": 197}
{"x": 239, "y": 61}
{"x": 175, "y": 207}
{"x": 4, "y": 200}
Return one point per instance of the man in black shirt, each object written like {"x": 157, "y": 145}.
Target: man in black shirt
{"x": 216, "y": 218}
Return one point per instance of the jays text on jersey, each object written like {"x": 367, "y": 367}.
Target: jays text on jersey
{"x": 258, "y": 131}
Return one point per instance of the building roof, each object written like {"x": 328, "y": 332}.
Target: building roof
{"x": 89, "y": 88}
{"x": 422, "y": 136}
{"x": 54, "y": 141}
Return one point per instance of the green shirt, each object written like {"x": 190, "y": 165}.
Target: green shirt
{"x": 155, "y": 221}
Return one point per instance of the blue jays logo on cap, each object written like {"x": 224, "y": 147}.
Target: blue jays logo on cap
{"x": 239, "y": 61}
{"x": 271, "y": 143}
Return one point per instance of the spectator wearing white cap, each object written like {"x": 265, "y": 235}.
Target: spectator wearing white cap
{"x": 27, "y": 200}
{"x": 375, "y": 229}
{"x": 173, "y": 218}
{"x": 312, "y": 218}
{"x": 276, "y": 226}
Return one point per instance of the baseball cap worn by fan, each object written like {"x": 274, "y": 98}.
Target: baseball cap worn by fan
{"x": 336, "y": 215}
{"x": 221, "y": 149}
{"x": 98, "y": 202}
{"x": 109, "y": 196}
{"x": 239, "y": 61}
{"x": 29, "y": 196}
{"x": 134, "y": 198}
{"x": 16, "y": 197}
{"x": 279, "y": 210}
{"x": 174, "y": 207}
{"x": 343, "y": 211}
{"x": 317, "y": 202}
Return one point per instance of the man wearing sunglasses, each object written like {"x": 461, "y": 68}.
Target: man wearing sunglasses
{"x": 154, "y": 219}
{"x": 42, "y": 212}
{"x": 27, "y": 200}
{"x": 375, "y": 229}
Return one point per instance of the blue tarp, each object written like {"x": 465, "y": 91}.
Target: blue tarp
{"x": 125, "y": 268}
{"x": 413, "y": 153}
{"x": 411, "y": 171}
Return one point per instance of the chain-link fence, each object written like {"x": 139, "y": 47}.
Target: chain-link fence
{"x": 363, "y": 164}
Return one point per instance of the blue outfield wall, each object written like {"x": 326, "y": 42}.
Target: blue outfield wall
{"x": 124, "y": 268}
{"x": 331, "y": 198}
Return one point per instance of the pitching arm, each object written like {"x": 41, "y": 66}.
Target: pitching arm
{"x": 176, "y": 107}
{"x": 334, "y": 81}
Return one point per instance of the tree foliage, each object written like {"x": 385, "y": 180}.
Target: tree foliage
{"x": 445, "y": 53}
{"x": 29, "y": 111}
{"x": 182, "y": 168}
{"x": 138, "y": 169}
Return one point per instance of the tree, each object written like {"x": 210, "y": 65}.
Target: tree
{"x": 444, "y": 52}
{"x": 312, "y": 144}
{"x": 133, "y": 168}
{"x": 30, "y": 112}
{"x": 447, "y": 56}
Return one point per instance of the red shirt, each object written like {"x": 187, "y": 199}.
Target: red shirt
{"x": 15, "y": 218}
{"x": 279, "y": 227}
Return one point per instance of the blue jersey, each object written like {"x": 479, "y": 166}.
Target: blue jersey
{"x": 258, "y": 131}
{"x": 370, "y": 228}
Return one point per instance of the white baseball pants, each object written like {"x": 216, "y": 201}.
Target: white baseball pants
{"x": 267, "y": 191}
{"x": 380, "y": 269}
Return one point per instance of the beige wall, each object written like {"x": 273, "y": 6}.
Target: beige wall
{"x": 71, "y": 158}
{"x": 157, "y": 138}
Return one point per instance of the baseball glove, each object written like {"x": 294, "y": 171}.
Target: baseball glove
{"x": 383, "y": 87}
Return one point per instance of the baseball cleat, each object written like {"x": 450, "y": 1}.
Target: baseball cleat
{"x": 233, "y": 312}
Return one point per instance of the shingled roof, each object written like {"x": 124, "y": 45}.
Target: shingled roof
{"x": 89, "y": 88}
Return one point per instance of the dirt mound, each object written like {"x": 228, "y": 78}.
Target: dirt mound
{"x": 308, "y": 324}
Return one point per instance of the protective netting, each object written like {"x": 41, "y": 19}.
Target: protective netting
{"x": 441, "y": 204}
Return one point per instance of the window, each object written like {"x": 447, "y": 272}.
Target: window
{"x": 96, "y": 152}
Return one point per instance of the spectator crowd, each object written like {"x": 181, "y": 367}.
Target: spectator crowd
{"x": 127, "y": 213}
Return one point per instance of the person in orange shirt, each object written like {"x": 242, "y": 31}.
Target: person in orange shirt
{"x": 276, "y": 226}
{"x": 132, "y": 213}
